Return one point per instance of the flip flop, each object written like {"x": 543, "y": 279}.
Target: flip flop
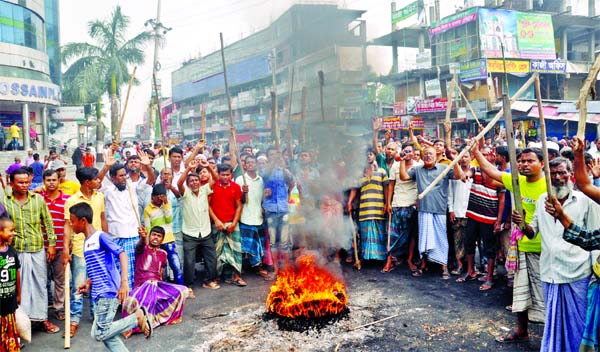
{"x": 488, "y": 285}
{"x": 417, "y": 273}
{"x": 466, "y": 277}
{"x": 512, "y": 337}
{"x": 445, "y": 275}
{"x": 146, "y": 324}
{"x": 387, "y": 271}
{"x": 457, "y": 271}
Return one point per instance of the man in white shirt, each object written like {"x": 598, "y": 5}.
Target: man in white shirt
{"x": 251, "y": 222}
{"x": 565, "y": 269}
{"x": 121, "y": 197}
{"x": 458, "y": 202}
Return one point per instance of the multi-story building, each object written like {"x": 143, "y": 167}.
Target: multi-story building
{"x": 29, "y": 64}
{"x": 306, "y": 39}
{"x": 476, "y": 45}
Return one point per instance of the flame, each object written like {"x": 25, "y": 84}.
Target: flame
{"x": 306, "y": 290}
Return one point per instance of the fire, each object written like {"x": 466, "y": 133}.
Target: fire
{"x": 306, "y": 290}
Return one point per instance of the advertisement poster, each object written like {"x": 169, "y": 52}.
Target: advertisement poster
{"x": 400, "y": 17}
{"x": 432, "y": 105}
{"x": 549, "y": 66}
{"x": 473, "y": 70}
{"x": 523, "y": 35}
{"x": 512, "y": 66}
{"x": 453, "y": 21}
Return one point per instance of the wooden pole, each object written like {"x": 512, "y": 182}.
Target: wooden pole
{"x": 158, "y": 116}
{"x": 512, "y": 156}
{"x": 476, "y": 139}
{"x": 321, "y": 85}
{"x": 583, "y": 96}
{"x": 289, "y": 117}
{"x": 303, "y": 117}
{"x": 118, "y": 134}
{"x": 538, "y": 97}
{"x": 67, "y": 306}
{"x": 447, "y": 123}
{"x": 231, "y": 125}
{"x": 203, "y": 121}
{"x": 469, "y": 106}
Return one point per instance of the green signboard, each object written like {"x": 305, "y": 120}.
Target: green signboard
{"x": 403, "y": 14}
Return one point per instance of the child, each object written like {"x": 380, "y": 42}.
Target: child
{"x": 162, "y": 300}
{"x": 160, "y": 213}
{"x": 10, "y": 287}
{"x": 99, "y": 250}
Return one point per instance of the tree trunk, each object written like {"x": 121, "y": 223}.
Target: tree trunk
{"x": 99, "y": 132}
{"x": 114, "y": 107}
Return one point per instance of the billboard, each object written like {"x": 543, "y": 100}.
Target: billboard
{"x": 432, "y": 105}
{"x": 473, "y": 70}
{"x": 453, "y": 21}
{"x": 521, "y": 35}
{"x": 409, "y": 15}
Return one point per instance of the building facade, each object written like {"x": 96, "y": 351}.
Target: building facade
{"x": 304, "y": 40}
{"x": 491, "y": 48}
{"x": 29, "y": 65}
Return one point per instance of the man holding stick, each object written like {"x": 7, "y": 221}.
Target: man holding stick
{"x": 528, "y": 301}
{"x": 433, "y": 238}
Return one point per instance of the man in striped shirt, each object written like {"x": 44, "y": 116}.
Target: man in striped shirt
{"x": 28, "y": 211}
{"x": 55, "y": 200}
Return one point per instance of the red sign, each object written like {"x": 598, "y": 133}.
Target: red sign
{"x": 399, "y": 108}
{"x": 432, "y": 105}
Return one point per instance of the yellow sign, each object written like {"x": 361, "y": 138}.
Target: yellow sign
{"x": 512, "y": 66}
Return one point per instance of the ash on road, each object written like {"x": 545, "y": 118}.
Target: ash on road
{"x": 434, "y": 315}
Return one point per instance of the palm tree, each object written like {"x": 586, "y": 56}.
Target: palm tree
{"x": 103, "y": 67}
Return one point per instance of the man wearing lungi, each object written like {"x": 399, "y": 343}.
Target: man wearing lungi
{"x": 121, "y": 197}
{"x": 565, "y": 269}
{"x": 28, "y": 211}
{"x": 528, "y": 300}
{"x": 433, "y": 238}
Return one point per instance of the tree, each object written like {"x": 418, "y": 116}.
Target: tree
{"x": 103, "y": 67}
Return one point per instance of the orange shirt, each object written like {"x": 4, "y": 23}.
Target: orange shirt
{"x": 88, "y": 160}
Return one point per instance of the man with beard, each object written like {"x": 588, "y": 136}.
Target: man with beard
{"x": 458, "y": 202}
{"x": 528, "y": 301}
{"x": 121, "y": 196}
{"x": 433, "y": 238}
{"x": 565, "y": 268}
{"x": 135, "y": 176}
{"x": 384, "y": 161}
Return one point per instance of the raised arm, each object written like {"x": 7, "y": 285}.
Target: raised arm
{"x": 486, "y": 166}
{"x": 581, "y": 177}
{"x": 147, "y": 166}
{"x": 198, "y": 148}
{"x": 109, "y": 161}
{"x": 376, "y": 128}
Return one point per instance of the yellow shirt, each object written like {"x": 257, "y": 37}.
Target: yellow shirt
{"x": 69, "y": 187}
{"x": 15, "y": 131}
{"x": 97, "y": 204}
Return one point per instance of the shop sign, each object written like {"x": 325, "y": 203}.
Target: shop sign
{"x": 453, "y": 21}
{"x": 432, "y": 105}
{"x": 399, "y": 108}
{"x": 473, "y": 70}
{"x": 423, "y": 60}
{"x": 512, "y": 66}
{"x": 433, "y": 88}
{"x": 403, "y": 14}
{"x": 549, "y": 66}
{"x": 26, "y": 90}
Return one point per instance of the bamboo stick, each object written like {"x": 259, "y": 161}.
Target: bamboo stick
{"x": 583, "y": 96}
{"x": 487, "y": 128}
{"x": 118, "y": 134}
{"x": 538, "y": 97}
{"x": 203, "y": 121}
{"x": 512, "y": 156}
{"x": 67, "y": 306}
{"x": 469, "y": 106}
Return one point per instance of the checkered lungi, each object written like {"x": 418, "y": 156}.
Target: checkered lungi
{"x": 128, "y": 245}
{"x": 527, "y": 290}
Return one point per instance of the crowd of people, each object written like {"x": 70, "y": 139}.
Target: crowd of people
{"x": 134, "y": 230}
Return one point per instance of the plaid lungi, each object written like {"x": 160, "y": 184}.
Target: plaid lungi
{"x": 128, "y": 245}
{"x": 527, "y": 290}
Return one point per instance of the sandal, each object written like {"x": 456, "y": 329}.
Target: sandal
{"x": 457, "y": 271}
{"x": 445, "y": 275}
{"x": 147, "y": 325}
{"x": 488, "y": 285}
{"x": 73, "y": 329}
{"x": 212, "y": 285}
{"x": 387, "y": 270}
{"x": 511, "y": 337}
{"x": 466, "y": 277}
{"x": 417, "y": 273}
{"x": 60, "y": 315}
{"x": 238, "y": 282}
{"x": 48, "y": 327}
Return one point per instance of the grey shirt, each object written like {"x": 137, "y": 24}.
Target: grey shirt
{"x": 436, "y": 201}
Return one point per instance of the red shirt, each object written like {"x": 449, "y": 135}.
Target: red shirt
{"x": 57, "y": 211}
{"x": 88, "y": 160}
{"x": 223, "y": 200}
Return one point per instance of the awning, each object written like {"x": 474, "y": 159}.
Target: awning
{"x": 574, "y": 116}
{"x": 593, "y": 107}
{"x": 519, "y": 105}
{"x": 549, "y": 112}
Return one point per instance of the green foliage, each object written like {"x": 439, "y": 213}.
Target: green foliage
{"x": 96, "y": 68}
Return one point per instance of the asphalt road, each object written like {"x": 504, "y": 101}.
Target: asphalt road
{"x": 433, "y": 315}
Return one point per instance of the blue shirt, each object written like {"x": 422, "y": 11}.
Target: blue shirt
{"x": 38, "y": 172}
{"x": 277, "y": 181}
{"x": 99, "y": 251}
{"x": 176, "y": 211}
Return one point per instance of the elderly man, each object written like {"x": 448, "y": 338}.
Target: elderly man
{"x": 565, "y": 268}
{"x": 433, "y": 238}
{"x": 121, "y": 196}
{"x": 384, "y": 160}
{"x": 28, "y": 211}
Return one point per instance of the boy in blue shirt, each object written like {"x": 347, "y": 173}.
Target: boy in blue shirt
{"x": 103, "y": 278}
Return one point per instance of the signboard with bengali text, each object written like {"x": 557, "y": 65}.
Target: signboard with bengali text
{"x": 431, "y": 105}
{"x": 512, "y": 66}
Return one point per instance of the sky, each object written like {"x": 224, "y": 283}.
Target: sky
{"x": 196, "y": 25}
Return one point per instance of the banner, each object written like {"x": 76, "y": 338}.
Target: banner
{"x": 399, "y": 108}
{"x": 473, "y": 70}
{"x": 458, "y": 48}
{"x": 423, "y": 60}
{"x": 433, "y": 88}
{"x": 523, "y": 35}
{"x": 401, "y": 122}
{"x": 453, "y": 21}
{"x": 431, "y": 105}
{"x": 403, "y": 14}
{"x": 512, "y": 66}
{"x": 549, "y": 66}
